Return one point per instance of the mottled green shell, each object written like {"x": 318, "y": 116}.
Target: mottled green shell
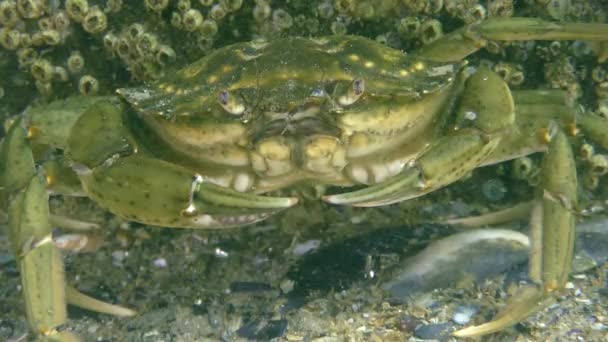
{"x": 279, "y": 75}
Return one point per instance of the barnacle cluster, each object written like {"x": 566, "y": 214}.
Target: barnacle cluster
{"x": 55, "y": 43}
{"x": 54, "y": 48}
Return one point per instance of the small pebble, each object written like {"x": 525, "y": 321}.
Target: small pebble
{"x": 408, "y": 323}
{"x": 118, "y": 257}
{"x": 434, "y": 331}
{"x": 463, "y": 314}
{"x": 305, "y": 247}
{"x": 263, "y": 330}
{"x": 220, "y": 253}
{"x": 160, "y": 263}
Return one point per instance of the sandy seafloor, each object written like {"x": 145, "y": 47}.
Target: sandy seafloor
{"x": 252, "y": 283}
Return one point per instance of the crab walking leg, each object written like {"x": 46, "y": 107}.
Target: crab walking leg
{"x": 529, "y": 135}
{"x": 457, "y": 45}
{"x": 486, "y": 112}
{"x": 79, "y": 299}
{"x": 30, "y": 233}
{"x": 511, "y": 214}
{"x": 38, "y": 260}
{"x": 595, "y": 127}
{"x": 552, "y": 237}
{"x": 51, "y": 124}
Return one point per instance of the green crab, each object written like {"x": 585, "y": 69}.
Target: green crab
{"x": 201, "y": 148}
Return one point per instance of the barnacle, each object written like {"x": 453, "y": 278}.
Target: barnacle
{"x": 44, "y": 88}
{"x": 598, "y": 74}
{"x": 590, "y": 180}
{"x": 122, "y": 48}
{"x": 110, "y": 40}
{"x": 475, "y": 14}
{"x": 31, "y": 9}
{"x": 345, "y": 6}
{"x": 586, "y": 151}
{"x": 135, "y": 30}
{"x": 231, "y": 5}
{"x": 75, "y": 62}
{"x": 176, "y": 20}
{"x": 261, "y": 11}
{"x": 45, "y": 23}
{"x": 50, "y": 37}
{"x": 26, "y": 56}
{"x": 88, "y": 85}
{"x": 500, "y": 8}
{"x": 61, "y": 21}
{"x": 326, "y": 10}
{"x": 156, "y": 5}
{"x": 8, "y": 14}
{"x": 165, "y": 55}
{"x": 511, "y": 73}
{"x": 95, "y": 21}
{"x": 522, "y": 168}
{"x": 557, "y": 9}
{"x": 281, "y": 19}
{"x": 217, "y": 12}
{"x": 77, "y": 9}
{"x": 599, "y": 164}
{"x": 42, "y": 70}
{"x": 10, "y": 39}
{"x": 208, "y": 28}
{"x": 146, "y": 43}
{"x": 192, "y": 20}
{"x": 430, "y": 30}
{"x": 183, "y": 5}
{"x": 60, "y": 74}
{"x": 409, "y": 27}
{"x": 114, "y": 6}
{"x": 338, "y": 28}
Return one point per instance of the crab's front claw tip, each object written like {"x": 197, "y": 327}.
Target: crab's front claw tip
{"x": 221, "y": 196}
{"x": 398, "y": 188}
{"x": 527, "y": 300}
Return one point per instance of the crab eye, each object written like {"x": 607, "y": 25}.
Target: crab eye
{"x": 358, "y": 87}
{"x": 353, "y": 93}
{"x": 232, "y": 104}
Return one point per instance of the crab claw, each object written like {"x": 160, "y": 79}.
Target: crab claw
{"x": 156, "y": 192}
{"x": 485, "y": 113}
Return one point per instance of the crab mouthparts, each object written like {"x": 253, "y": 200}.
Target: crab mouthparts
{"x": 296, "y": 124}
